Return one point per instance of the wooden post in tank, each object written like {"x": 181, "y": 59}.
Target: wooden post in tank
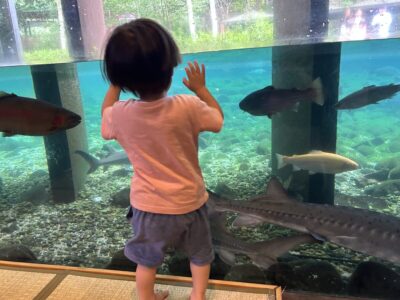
{"x": 311, "y": 127}
{"x": 59, "y": 85}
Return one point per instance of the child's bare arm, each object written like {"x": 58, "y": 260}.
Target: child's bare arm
{"x": 111, "y": 97}
{"x": 196, "y": 82}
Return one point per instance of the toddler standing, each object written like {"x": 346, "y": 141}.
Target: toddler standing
{"x": 160, "y": 136}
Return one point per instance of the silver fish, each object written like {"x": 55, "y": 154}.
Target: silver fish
{"x": 263, "y": 254}
{"x": 114, "y": 158}
{"x": 368, "y": 95}
{"x": 372, "y": 233}
{"x": 269, "y": 100}
{"x": 318, "y": 162}
{"x": 26, "y": 116}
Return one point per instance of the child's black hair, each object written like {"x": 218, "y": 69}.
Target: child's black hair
{"x": 140, "y": 57}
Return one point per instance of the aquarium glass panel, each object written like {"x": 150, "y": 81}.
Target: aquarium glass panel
{"x": 38, "y": 32}
{"x": 303, "y": 179}
{"x": 237, "y": 164}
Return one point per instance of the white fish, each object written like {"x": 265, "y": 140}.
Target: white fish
{"x": 318, "y": 162}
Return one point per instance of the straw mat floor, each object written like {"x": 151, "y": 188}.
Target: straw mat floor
{"x": 22, "y": 281}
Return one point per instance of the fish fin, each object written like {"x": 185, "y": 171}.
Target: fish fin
{"x": 262, "y": 260}
{"x": 368, "y": 87}
{"x": 6, "y": 95}
{"x": 316, "y": 85}
{"x": 268, "y": 88}
{"x": 269, "y": 116}
{"x": 110, "y": 149}
{"x": 277, "y": 247}
{"x": 246, "y": 220}
{"x": 315, "y": 152}
{"x": 276, "y": 192}
{"x": 91, "y": 160}
{"x": 287, "y": 182}
{"x": 317, "y": 236}
{"x": 227, "y": 256}
{"x": 3, "y": 94}
{"x": 8, "y": 134}
{"x": 296, "y": 168}
{"x": 281, "y": 160}
{"x": 344, "y": 239}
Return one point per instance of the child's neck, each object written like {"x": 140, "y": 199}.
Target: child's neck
{"x": 153, "y": 97}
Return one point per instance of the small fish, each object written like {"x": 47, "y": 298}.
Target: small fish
{"x": 372, "y": 233}
{"x": 318, "y": 162}
{"x": 269, "y": 101}
{"x": 114, "y": 158}
{"x": 27, "y": 116}
{"x": 368, "y": 95}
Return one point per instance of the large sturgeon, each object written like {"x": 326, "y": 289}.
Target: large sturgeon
{"x": 372, "y": 233}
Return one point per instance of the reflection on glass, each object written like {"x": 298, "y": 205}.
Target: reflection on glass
{"x": 197, "y": 25}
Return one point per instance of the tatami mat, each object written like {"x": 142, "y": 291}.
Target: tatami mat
{"x": 84, "y": 288}
{"x": 87, "y": 288}
{"x": 37, "y": 282}
{"x": 19, "y": 285}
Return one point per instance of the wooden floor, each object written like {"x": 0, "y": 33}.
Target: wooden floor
{"x": 23, "y": 281}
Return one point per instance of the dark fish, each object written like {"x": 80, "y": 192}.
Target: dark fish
{"x": 372, "y": 233}
{"x": 114, "y": 158}
{"x": 269, "y": 101}
{"x": 27, "y": 116}
{"x": 17, "y": 253}
{"x": 368, "y": 95}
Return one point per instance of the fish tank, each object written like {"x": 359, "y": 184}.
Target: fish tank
{"x": 304, "y": 178}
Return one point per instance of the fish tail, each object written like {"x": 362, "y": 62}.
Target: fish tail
{"x": 318, "y": 92}
{"x": 281, "y": 160}
{"x": 263, "y": 261}
{"x": 93, "y": 162}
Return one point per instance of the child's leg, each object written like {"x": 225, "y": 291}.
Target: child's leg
{"x": 145, "y": 278}
{"x": 200, "y": 276}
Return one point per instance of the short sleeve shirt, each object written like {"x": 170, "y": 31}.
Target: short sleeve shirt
{"x": 161, "y": 140}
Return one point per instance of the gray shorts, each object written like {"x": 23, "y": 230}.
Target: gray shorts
{"x": 155, "y": 233}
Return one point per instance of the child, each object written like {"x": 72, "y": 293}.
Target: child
{"x": 160, "y": 136}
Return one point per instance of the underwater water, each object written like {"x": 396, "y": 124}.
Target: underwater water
{"x": 235, "y": 164}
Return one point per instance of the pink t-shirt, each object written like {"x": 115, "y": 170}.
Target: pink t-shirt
{"x": 161, "y": 140}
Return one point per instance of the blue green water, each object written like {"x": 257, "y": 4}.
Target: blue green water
{"x": 235, "y": 162}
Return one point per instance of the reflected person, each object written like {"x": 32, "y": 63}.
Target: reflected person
{"x": 160, "y": 136}
{"x": 381, "y": 22}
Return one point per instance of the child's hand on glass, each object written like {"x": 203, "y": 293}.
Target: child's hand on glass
{"x": 196, "y": 77}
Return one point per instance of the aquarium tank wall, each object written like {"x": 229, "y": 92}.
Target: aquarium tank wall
{"x": 305, "y": 175}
